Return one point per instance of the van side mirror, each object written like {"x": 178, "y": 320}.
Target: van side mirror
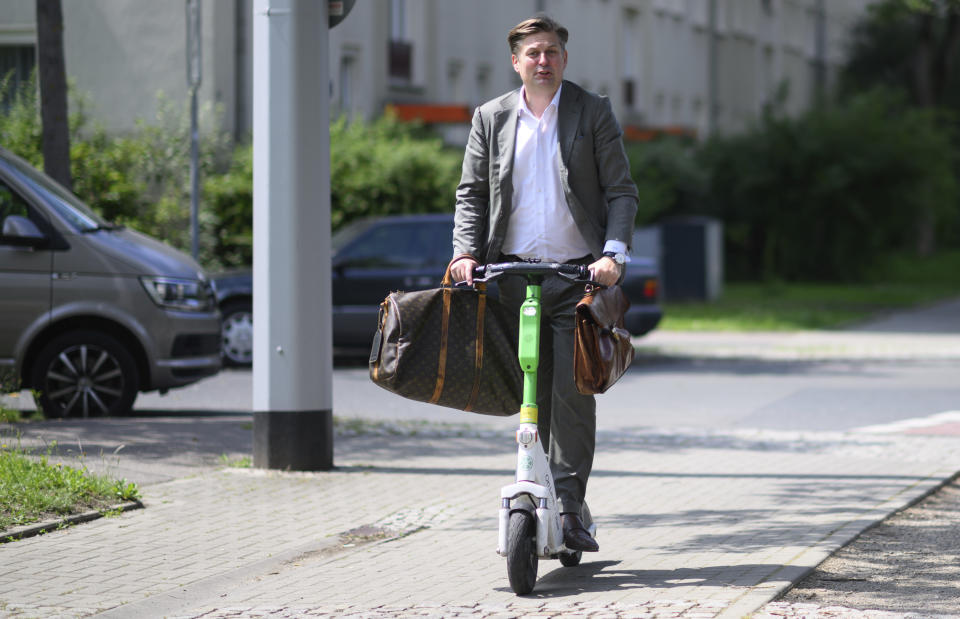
{"x": 18, "y": 230}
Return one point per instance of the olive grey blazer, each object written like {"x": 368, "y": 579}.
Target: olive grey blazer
{"x": 594, "y": 172}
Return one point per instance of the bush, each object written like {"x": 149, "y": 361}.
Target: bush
{"x": 379, "y": 168}
{"x": 822, "y": 196}
{"x": 141, "y": 179}
{"x": 389, "y": 167}
{"x": 229, "y": 198}
{"x": 669, "y": 179}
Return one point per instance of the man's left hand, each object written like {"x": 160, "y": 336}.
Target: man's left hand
{"x": 605, "y": 271}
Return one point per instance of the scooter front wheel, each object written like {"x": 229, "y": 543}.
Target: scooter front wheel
{"x": 522, "y": 558}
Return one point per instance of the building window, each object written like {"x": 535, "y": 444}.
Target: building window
{"x": 629, "y": 57}
{"x": 400, "y": 50}
{"x": 483, "y": 82}
{"x": 629, "y": 93}
{"x": 348, "y": 64}
{"x": 455, "y": 82}
{"x": 17, "y": 62}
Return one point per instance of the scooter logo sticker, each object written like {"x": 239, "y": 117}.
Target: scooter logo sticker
{"x": 526, "y": 462}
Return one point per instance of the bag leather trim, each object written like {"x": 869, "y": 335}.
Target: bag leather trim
{"x": 478, "y": 359}
{"x": 444, "y": 338}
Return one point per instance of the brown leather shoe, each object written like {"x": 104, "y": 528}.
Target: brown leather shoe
{"x": 576, "y": 536}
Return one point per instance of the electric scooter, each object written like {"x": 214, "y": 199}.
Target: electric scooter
{"x": 530, "y": 524}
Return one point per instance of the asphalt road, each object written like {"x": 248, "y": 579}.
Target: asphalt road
{"x": 816, "y": 396}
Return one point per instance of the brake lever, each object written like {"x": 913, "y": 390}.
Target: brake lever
{"x": 583, "y": 276}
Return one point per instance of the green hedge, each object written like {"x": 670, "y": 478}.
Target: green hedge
{"x": 669, "y": 178}
{"x": 825, "y": 195}
{"x": 140, "y": 179}
{"x": 379, "y": 168}
{"x": 817, "y": 197}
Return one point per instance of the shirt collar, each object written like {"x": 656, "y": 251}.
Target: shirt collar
{"x": 522, "y": 104}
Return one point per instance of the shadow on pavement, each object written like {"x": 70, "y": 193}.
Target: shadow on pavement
{"x": 646, "y": 363}
{"x": 600, "y": 576}
{"x": 183, "y": 438}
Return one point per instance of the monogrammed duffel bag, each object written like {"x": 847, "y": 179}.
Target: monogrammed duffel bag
{"x": 449, "y": 346}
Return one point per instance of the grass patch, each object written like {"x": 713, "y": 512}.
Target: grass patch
{"x": 243, "y": 462}
{"x": 37, "y": 488}
{"x": 902, "y": 282}
{"x": 10, "y": 415}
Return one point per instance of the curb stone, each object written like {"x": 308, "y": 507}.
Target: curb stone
{"x": 48, "y": 526}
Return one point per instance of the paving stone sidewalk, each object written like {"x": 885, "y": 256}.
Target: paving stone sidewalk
{"x": 692, "y": 524}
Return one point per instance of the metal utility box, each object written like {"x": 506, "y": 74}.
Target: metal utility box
{"x": 692, "y": 267}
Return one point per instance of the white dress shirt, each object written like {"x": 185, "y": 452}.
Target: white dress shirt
{"x": 541, "y": 225}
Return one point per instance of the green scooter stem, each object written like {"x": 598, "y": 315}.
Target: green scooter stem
{"x": 529, "y": 351}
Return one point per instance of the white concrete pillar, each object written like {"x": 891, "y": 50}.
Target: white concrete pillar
{"x": 292, "y": 356}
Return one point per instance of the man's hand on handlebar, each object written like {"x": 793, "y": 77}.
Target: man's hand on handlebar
{"x": 605, "y": 271}
{"x": 462, "y": 270}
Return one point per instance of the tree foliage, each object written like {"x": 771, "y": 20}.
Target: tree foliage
{"x": 908, "y": 45}
{"x": 389, "y": 167}
{"x": 912, "y": 46}
{"x": 141, "y": 178}
{"x": 824, "y": 195}
{"x": 669, "y": 178}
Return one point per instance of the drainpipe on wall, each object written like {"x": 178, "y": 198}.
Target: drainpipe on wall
{"x": 713, "y": 103}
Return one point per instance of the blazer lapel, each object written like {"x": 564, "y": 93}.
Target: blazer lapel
{"x": 505, "y": 128}
{"x": 568, "y": 119}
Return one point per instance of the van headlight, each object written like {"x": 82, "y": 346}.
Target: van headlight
{"x": 189, "y": 295}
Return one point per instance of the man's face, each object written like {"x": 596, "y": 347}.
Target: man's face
{"x": 540, "y": 61}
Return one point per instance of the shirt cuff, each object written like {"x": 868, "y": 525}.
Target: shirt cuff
{"x": 617, "y": 247}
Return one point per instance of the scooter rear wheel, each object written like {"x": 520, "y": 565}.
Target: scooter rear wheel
{"x": 570, "y": 559}
{"x": 522, "y": 560}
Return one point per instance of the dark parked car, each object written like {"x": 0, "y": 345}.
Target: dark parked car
{"x": 375, "y": 256}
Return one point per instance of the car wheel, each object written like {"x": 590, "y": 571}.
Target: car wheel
{"x": 85, "y": 374}
{"x": 237, "y": 332}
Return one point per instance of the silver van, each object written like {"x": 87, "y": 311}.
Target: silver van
{"x": 92, "y": 313}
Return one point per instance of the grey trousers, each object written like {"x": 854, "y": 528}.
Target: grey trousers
{"x": 567, "y": 419}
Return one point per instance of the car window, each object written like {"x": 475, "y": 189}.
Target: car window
{"x": 442, "y": 235}
{"x": 393, "y": 245}
{"x": 12, "y": 204}
{"x": 62, "y": 201}
{"x": 345, "y": 235}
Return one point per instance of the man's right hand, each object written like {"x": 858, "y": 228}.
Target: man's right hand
{"x": 462, "y": 270}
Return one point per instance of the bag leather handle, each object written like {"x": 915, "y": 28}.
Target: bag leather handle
{"x": 447, "y": 285}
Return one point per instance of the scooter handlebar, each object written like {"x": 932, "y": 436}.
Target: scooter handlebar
{"x": 574, "y": 272}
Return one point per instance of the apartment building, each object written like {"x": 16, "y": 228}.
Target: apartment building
{"x": 680, "y": 66}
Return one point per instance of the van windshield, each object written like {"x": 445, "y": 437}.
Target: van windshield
{"x": 67, "y": 205}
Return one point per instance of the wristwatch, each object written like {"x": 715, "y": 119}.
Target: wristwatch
{"x": 619, "y": 258}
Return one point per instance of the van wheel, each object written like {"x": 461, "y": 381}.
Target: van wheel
{"x": 85, "y": 374}
{"x": 237, "y": 332}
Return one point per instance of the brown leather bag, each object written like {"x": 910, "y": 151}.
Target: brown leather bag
{"x": 602, "y": 347}
{"x": 449, "y": 346}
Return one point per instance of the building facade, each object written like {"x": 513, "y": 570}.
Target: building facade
{"x": 687, "y": 66}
